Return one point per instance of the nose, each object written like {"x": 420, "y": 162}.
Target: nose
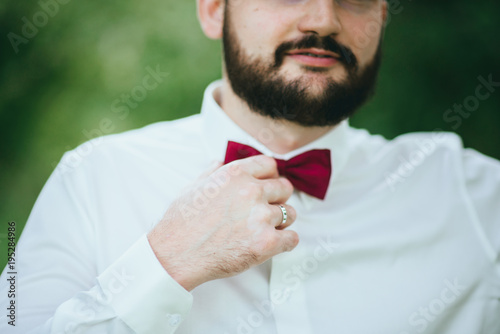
{"x": 321, "y": 18}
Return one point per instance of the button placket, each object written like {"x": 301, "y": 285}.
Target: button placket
{"x": 287, "y": 293}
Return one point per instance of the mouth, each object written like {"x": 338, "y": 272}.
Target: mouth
{"x": 314, "y": 57}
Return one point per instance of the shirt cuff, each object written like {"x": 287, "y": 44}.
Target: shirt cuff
{"x": 142, "y": 293}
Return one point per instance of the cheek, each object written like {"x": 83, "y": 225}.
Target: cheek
{"x": 364, "y": 37}
{"x": 250, "y": 29}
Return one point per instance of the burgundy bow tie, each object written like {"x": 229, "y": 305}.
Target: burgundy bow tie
{"x": 309, "y": 172}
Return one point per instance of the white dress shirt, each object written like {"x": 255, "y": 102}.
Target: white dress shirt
{"x": 406, "y": 241}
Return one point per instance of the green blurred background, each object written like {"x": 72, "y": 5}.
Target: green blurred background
{"x": 63, "y": 81}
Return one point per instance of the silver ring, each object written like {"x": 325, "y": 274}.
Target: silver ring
{"x": 284, "y": 214}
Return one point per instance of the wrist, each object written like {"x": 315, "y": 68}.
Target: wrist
{"x": 175, "y": 268}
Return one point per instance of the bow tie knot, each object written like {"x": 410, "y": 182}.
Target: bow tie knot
{"x": 309, "y": 172}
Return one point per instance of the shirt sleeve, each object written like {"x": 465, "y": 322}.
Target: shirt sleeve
{"x": 58, "y": 288}
{"x": 482, "y": 182}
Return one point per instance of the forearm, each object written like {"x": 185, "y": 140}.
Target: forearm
{"x": 133, "y": 295}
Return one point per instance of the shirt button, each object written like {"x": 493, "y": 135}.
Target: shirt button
{"x": 174, "y": 319}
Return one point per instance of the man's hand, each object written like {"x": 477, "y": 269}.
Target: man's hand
{"x": 235, "y": 229}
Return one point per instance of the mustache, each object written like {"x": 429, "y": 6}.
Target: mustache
{"x": 347, "y": 57}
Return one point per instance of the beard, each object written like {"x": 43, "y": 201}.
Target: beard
{"x": 268, "y": 93}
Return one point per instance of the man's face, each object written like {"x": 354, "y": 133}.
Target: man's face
{"x": 313, "y": 62}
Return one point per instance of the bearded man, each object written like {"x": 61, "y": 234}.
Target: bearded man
{"x": 303, "y": 224}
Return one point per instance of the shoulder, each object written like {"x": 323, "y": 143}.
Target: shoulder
{"x": 154, "y": 140}
{"x": 407, "y": 153}
{"x": 419, "y": 146}
{"x": 421, "y": 151}
{"x": 443, "y": 149}
{"x": 441, "y": 160}
{"x": 422, "y": 158}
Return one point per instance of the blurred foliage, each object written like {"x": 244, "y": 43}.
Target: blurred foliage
{"x": 63, "y": 81}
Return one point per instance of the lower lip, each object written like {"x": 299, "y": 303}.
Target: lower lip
{"x": 314, "y": 61}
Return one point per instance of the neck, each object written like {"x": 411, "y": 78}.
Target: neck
{"x": 280, "y": 136}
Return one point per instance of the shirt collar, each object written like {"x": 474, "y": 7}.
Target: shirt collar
{"x": 218, "y": 129}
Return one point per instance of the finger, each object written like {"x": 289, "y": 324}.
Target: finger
{"x": 289, "y": 240}
{"x": 280, "y": 222}
{"x": 277, "y": 190}
{"x": 259, "y": 166}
